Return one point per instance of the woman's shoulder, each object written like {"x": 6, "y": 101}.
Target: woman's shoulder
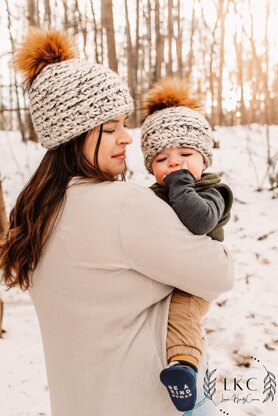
{"x": 141, "y": 199}
{"x": 132, "y": 187}
{"x": 117, "y": 190}
{"x": 134, "y": 198}
{"x": 134, "y": 195}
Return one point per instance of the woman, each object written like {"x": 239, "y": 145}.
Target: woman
{"x": 99, "y": 256}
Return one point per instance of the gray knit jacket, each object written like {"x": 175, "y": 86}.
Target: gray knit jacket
{"x": 202, "y": 206}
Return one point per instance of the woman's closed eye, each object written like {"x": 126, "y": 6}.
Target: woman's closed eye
{"x": 109, "y": 131}
{"x": 113, "y": 130}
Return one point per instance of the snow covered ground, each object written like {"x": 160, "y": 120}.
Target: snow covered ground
{"x": 240, "y": 325}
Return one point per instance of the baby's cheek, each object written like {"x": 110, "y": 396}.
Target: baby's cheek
{"x": 160, "y": 179}
{"x": 160, "y": 176}
{"x": 156, "y": 173}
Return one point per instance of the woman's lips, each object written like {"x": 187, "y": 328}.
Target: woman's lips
{"x": 120, "y": 156}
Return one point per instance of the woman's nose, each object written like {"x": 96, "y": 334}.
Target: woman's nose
{"x": 125, "y": 138}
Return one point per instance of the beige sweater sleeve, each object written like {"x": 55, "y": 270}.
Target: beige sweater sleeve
{"x": 159, "y": 246}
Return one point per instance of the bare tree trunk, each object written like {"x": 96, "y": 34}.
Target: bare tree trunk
{"x": 74, "y": 20}
{"x": 219, "y": 109}
{"x": 131, "y": 69}
{"x": 190, "y": 54}
{"x": 205, "y": 84}
{"x": 259, "y": 76}
{"x": 211, "y": 74}
{"x": 32, "y": 13}
{"x": 150, "y": 44}
{"x": 129, "y": 49}
{"x": 179, "y": 41}
{"x": 79, "y": 27}
{"x": 2, "y": 116}
{"x": 1, "y": 316}
{"x": 3, "y": 216}
{"x": 138, "y": 48}
{"x": 66, "y": 14}
{"x": 108, "y": 25}
{"x": 170, "y": 38}
{"x": 268, "y": 116}
{"x": 47, "y": 11}
{"x": 20, "y": 123}
{"x": 11, "y": 96}
{"x": 238, "y": 49}
{"x": 95, "y": 32}
{"x": 137, "y": 40}
{"x": 158, "y": 42}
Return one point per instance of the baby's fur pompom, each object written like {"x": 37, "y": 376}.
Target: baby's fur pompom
{"x": 169, "y": 92}
{"x": 39, "y": 49}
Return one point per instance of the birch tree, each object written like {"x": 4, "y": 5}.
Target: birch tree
{"x": 108, "y": 27}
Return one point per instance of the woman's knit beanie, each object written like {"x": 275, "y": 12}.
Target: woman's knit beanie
{"x": 172, "y": 119}
{"x": 68, "y": 96}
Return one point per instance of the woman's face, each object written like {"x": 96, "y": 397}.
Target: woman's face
{"x": 111, "y": 154}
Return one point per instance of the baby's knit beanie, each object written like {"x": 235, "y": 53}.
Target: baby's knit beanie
{"x": 68, "y": 96}
{"x": 172, "y": 119}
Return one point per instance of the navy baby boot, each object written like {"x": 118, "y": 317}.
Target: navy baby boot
{"x": 180, "y": 380}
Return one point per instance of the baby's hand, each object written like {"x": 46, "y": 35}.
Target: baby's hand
{"x": 184, "y": 165}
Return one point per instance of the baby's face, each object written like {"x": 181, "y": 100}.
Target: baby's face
{"x": 175, "y": 158}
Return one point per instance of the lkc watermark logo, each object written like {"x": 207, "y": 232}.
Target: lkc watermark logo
{"x": 258, "y": 387}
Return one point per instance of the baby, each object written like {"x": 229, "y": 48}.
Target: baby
{"x": 177, "y": 147}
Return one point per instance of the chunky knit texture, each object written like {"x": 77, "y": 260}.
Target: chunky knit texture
{"x": 176, "y": 127}
{"x": 74, "y": 96}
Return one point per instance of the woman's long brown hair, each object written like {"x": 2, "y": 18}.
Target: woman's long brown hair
{"x": 33, "y": 217}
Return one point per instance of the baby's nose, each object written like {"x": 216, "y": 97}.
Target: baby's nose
{"x": 174, "y": 162}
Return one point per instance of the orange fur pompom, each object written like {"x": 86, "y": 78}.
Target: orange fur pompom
{"x": 39, "y": 49}
{"x": 169, "y": 92}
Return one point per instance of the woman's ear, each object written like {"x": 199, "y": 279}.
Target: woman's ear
{"x": 90, "y": 133}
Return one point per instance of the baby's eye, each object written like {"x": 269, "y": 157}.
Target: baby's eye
{"x": 161, "y": 160}
{"x": 186, "y": 154}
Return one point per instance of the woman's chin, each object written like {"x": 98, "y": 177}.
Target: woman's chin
{"x": 116, "y": 172}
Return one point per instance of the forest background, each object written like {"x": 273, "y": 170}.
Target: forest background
{"x": 227, "y": 49}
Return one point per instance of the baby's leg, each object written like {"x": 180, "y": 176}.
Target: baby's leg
{"x": 184, "y": 348}
{"x": 184, "y": 341}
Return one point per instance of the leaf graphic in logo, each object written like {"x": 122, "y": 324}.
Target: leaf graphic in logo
{"x": 209, "y": 384}
{"x": 269, "y": 386}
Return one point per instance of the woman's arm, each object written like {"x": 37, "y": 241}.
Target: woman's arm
{"x": 158, "y": 245}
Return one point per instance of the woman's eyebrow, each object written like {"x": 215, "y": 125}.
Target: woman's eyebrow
{"x": 115, "y": 121}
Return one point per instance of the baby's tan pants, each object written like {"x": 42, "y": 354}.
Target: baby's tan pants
{"x": 184, "y": 325}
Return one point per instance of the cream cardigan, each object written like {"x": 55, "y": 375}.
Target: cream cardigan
{"x": 102, "y": 290}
